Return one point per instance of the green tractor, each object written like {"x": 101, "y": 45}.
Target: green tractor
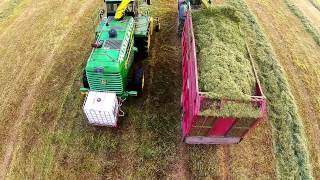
{"x": 113, "y": 71}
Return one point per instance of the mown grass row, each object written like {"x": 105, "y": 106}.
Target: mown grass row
{"x": 315, "y": 3}
{"x": 8, "y": 9}
{"x": 290, "y": 145}
{"x": 304, "y": 20}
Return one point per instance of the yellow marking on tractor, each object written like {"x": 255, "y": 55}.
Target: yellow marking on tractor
{"x": 121, "y": 9}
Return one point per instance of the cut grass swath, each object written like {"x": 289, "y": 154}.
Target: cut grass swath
{"x": 288, "y": 133}
{"x": 304, "y": 20}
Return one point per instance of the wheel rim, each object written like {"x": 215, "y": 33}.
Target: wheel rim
{"x": 149, "y": 41}
{"x": 142, "y": 83}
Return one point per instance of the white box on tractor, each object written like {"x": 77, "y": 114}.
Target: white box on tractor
{"x": 102, "y": 108}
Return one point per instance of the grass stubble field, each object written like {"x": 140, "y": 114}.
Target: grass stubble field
{"x": 44, "y": 46}
{"x": 298, "y": 52}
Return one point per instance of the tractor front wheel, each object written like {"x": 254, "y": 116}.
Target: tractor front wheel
{"x": 139, "y": 80}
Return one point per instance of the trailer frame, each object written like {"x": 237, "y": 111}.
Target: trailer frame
{"x": 212, "y": 130}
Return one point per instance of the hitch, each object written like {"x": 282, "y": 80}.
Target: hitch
{"x": 132, "y": 93}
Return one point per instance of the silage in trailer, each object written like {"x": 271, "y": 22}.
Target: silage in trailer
{"x": 225, "y": 70}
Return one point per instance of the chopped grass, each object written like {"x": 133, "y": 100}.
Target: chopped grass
{"x": 225, "y": 72}
{"x": 232, "y": 109}
{"x": 288, "y": 133}
{"x": 305, "y": 21}
{"x": 224, "y": 68}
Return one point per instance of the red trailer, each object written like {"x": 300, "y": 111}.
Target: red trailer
{"x": 198, "y": 129}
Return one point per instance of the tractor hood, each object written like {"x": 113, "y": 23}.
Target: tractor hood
{"x": 112, "y": 44}
{"x": 103, "y": 60}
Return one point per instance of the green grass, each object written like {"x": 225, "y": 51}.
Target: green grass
{"x": 58, "y": 143}
{"x": 225, "y": 71}
{"x": 9, "y": 9}
{"x": 305, "y": 21}
{"x": 54, "y": 139}
{"x": 232, "y": 109}
{"x": 203, "y": 164}
{"x": 224, "y": 68}
{"x": 289, "y": 141}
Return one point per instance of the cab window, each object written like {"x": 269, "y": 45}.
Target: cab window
{"x": 112, "y": 8}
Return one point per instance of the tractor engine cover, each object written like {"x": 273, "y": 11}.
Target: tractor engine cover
{"x": 101, "y": 108}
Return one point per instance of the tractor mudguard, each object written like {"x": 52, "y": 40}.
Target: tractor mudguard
{"x": 138, "y": 82}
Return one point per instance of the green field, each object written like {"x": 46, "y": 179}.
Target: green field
{"x": 44, "y": 46}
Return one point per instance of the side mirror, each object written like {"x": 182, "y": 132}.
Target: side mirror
{"x": 97, "y": 44}
{"x": 101, "y": 13}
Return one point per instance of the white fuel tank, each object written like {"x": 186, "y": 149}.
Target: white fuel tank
{"x": 101, "y": 108}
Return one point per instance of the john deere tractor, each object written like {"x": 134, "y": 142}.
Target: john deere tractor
{"x": 114, "y": 70}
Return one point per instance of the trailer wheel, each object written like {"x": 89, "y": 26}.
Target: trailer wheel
{"x": 158, "y": 26}
{"x": 85, "y": 80}
{"x": 139, "y": 80}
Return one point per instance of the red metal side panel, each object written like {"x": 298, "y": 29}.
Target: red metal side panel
{"x": 190, "y": 94}
{"x": 222, "y": 126}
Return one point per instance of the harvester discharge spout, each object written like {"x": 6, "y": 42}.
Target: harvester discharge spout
{"x": 121, "y": 9}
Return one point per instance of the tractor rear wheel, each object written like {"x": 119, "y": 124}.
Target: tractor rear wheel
{"x": 138, "y": 82}
{"x": 85, "y": 80}
{"x": 143, "y": 45}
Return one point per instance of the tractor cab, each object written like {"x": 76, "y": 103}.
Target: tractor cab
{"x": 112, "y": 6}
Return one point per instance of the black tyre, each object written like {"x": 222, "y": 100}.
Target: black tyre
{"x": 143, "y": 45}
{"x": 138, "y": 82}
{"x": 157, "y": 28}
{"x": 85, "y": 80}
